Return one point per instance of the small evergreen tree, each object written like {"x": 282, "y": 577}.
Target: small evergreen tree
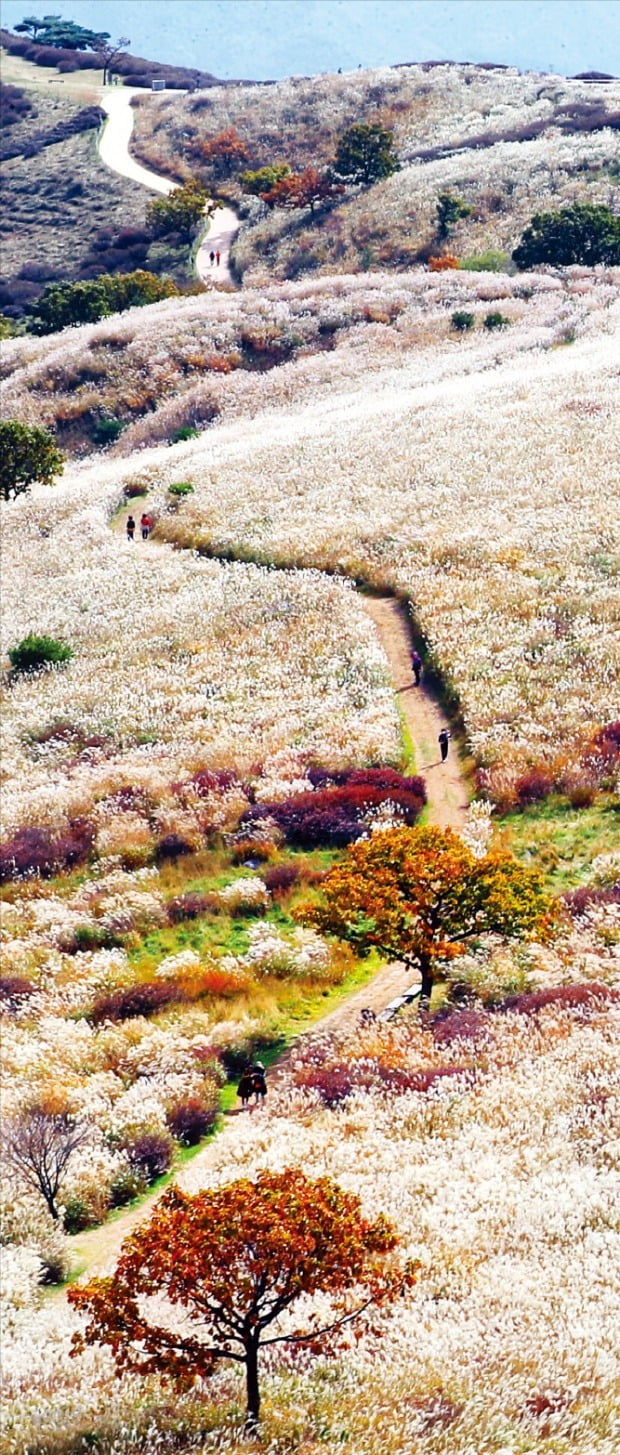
{"x": 449, "y": 210}
{"x": 27, "y": 454}
{"x": 582, "y": 233}
{"x": 365, "y": 154}
{"x": 35, "y": 652}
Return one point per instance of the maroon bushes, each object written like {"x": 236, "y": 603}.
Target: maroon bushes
{"x": 335, "y": 1081}
{"x": 151, "y": 1153}
{"x": 143, "y": 999}
{"x": 279, "y": 878}
{"x": 336, "y": 813}
{"x": 191, "y": 906}
{"x": 461, "y": 1025}
{"x": 33, "y": 852}
{"x": 172, "y": 846}
{"x": 13, "y": 990}
{"x": 534, "y": 786}
{"x": 588, "y": 997}
{"x": 190, "y": 1120}
{"x": 579, "y": 901}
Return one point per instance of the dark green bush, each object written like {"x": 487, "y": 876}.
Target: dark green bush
{"x": 106, "y": 431}
{"x": 35, "y": 652}
{"x": 462, "y": 321}
{"x": 496, "y": 320}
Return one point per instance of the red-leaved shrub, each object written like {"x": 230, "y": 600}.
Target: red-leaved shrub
{"x": 33, "y": 852}
{"x": 534, "y": 786}
{"x": 191, "y": 906}
{"x": 14, "y": 989}
{"x": 145, "y": 998}
{"x": 335, "y": 1081}
{"x": 190, "y": 1120}
{"x": 578, "y": 901}
{"x": 584, "y": 997}
{"x": 151, "y": 1153}
{"x": 336, "y": 814}
{"x": 279, "y": 878}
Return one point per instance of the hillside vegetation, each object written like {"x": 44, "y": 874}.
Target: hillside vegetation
{"x": 206, "y": 742}
{"x": 506, "y": 143}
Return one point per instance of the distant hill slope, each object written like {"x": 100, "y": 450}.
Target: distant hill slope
{"x": 508, "y": 143}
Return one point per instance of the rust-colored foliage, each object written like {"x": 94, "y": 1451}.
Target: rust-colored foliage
{"x": 443, "y": 263}
{"x": 419, "y": 894}
{"x": 302, "y": 189}
{"x": 232, "y": 1260}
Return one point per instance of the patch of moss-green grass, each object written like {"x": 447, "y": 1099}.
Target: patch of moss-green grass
{"x": 560, "y": 840}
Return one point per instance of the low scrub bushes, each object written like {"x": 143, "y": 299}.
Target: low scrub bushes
{"x": 336, "y": 1081}
{"x": 190, "y": 1120}
{"x": 584, "y": 998}
{"x": 143, "y": 999}
{"x": 150, "y": 1153}
{"x": 33, "y": 852}
{"x": 191, "y": 906}
{"x": 14, "y": 989}
{"x": 339, "y": 812}
{"x": 588, "y": 897}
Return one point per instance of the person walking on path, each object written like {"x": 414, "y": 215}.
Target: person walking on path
{"x": 217, "y": 257}
{"x": 145, "y": 525}
{"x": 212, "y": 257}
{"x": 417, "y": 664}
{"x": 444, "y": 739}
{"x": 131, "y": 525}
{"x": 245, "y": 1087}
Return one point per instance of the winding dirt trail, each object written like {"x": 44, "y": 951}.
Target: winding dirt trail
{"x": 96, "y": 1249}
{"x": 115, "y": 154}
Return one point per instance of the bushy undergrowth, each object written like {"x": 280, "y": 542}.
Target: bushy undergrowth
{"x": 341, "y": 807}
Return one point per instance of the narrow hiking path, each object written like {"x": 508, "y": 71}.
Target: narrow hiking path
{"x": 447, "y": 805}
{"x": 114, "y": 152}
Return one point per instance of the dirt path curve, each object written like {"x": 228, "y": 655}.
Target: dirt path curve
{"x": 114, "y": 152}
{"x": 445, "y": 782}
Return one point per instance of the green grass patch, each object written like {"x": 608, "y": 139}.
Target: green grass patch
{"x": 562, "y": 841}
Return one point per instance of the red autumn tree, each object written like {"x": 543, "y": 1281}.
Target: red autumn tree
{"x": 302, "y": 189}
{"x": 419, "y": 895}
{"x": 224, "y": 153}
{"x": 231, "y": 1261}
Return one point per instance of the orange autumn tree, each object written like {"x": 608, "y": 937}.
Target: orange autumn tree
{"x": 230, "y": 1261}
{"x": 419, "y": 895}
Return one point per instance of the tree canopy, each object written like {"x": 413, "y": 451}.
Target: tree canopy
{"x": 62, "y": 304}
{"x": 180, "y": 212}
{"x": 234, "y": 1259}
{"x": 302, "y": 189}
{"x": 27, "y": 454}
{"x": 365, "y": 153}
{"x": 419, "y": 895}
{"x": 62, "y": 34}
{"x": 582, "y": 233}
{"x": 450, "y": 209}
{"x": 264, "y": 178}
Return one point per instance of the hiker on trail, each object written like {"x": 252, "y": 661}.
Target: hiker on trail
{"x": 131, "y": 525}
{"x": 259, "y": 1084}
{"x": 367, "y": 1016}
{"x": 217, "y": 257}
{"x": 145, "y": 525}
{"x": 212, "y": 257}
{"x": 245, "y": 1088}
{"x": 444, "y": 739}
{"x": 417, "y": 664}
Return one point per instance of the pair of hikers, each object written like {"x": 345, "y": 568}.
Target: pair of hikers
{"x": 215, "y": 258}
{"x": 252, "y": 1083}
{"x": 444, "y": 736}
{"x": 145, "y": 526}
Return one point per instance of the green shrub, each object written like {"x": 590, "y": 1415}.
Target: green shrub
{"x": 496, "y": 320}
{"x": 180, "y": 488}
{"x": 493, "y": 261}
{"x": 462, "y": 321}
{"x": 106, "y": 431}
{"x": 184, "y": 432}
{"x": 35, "y": 652}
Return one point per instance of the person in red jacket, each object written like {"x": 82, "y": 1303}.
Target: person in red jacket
{"x": 145, "y": 525}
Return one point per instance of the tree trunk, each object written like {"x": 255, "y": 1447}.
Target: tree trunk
{"x": 426, "y": 989}
{"x": 253, "y": 1392}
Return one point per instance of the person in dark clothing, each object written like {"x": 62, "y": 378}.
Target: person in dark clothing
{"x": 444, "y": 739}
{"x": 245, "y": 1087}
{"x": 417, "y": 664}
{"x": 212, "y": 257}
{"x": 131, "y": 525}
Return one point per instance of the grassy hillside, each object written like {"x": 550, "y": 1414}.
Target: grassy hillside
{"x": 502, "y": 141}
{"x": 175, "y": 790}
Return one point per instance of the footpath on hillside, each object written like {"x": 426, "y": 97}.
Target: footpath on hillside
{"x": 447, "y": 805}
{"x": 115, "y": 154}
